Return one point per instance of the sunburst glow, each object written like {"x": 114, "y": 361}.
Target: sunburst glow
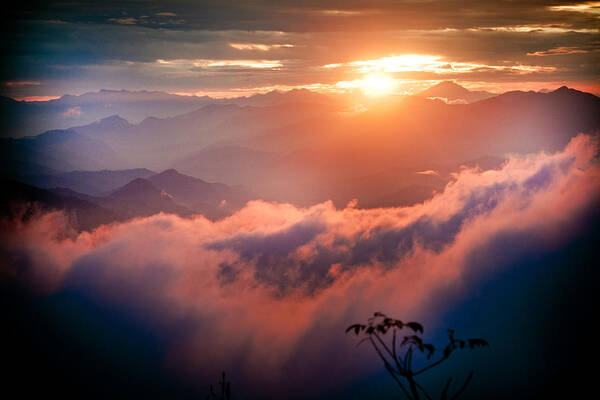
{"x": 378, "y": 85}
{"x": 375, "y": 84}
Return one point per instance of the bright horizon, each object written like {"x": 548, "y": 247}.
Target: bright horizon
{"x": 228, "y": 51}
{"x": 383, "y": 87}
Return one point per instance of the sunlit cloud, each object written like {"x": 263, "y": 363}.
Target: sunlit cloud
{"x": 258, "y": 64}
{"x": 166, "y": 14}
{"x": 125, "y": 21}
{"x": 562, "y": 50}
{"x": 428, "y": 172}
{"x": 449, "y": 101}
{"x": 433, "y": 64}
{"x": 240, "y": 63}
{"x": 21, "y": 83}
{"x": 341, "y": 13}
{"x": 259, "y": 46}
{"x": 407, "y": 62}
{"x": 590, "y": 7}
{"x": 373, "y": 84}
{"x": 72, "y": 112}
{"x": 550, "y": 29}
{"x": 208, "y": 279}
{"x": 36, "y": 98}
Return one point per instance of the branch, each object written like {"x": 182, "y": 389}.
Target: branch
{"x": 383, "y": 344}
{"x": 390, "y": 368}
{"x": 399, "y": 383}
{"x": 394, "y": 342}
{"x": 422, "y": 389}
{"x": 395, "y": 354}
{"x": 463, "y": 387}
{"x": 405, "y": 361}
{"x": 445, "y": 391}
{"x": 438, "y": 362}
{"x": 385, "y": 361}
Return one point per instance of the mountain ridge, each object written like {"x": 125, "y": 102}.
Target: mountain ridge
{"x": 453, "y": 93}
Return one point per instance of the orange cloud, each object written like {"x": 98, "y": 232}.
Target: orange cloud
{"x": 37, "y": 98}
{"x": 588, "y": 7}
{"x": 562, "y": 50}
{"x": 430, "y": 63}
{"x": 273, "y": 285}
{"x": 21, "y": 83}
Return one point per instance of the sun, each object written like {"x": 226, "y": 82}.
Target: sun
{"x": 378, "y": 85}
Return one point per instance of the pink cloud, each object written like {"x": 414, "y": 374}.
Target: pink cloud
{"x": 272, "y": 287}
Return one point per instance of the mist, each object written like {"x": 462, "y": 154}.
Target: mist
{"x": 267, "y": 292}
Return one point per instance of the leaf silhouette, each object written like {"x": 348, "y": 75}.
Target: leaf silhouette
{"x": 430, "y": 350}
{"x": 415, "y": 326}
{"x": 356, "y": 328}
{"x": 477, "y": 342}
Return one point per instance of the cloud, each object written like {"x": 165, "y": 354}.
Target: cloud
{"x": 434, "y": 64}
{"x": 258, "y": 46}
{"x": 191, "y": 64}
{"x": 428, "y": 172}
{"x": 125, "y": 21}
{"x": 21, "y": 83}
{"x": 72, "y": 112}
{"x": 453, "y": 101}
{"x": 562, "y": 50}
{"x": 588, "y": 7}
{"x": 269, "y": 290}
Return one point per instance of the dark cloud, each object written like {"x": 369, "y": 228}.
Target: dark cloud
{"x": 308, "y": 16}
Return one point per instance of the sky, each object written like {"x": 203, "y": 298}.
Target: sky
{"x": 159, "y": 303}
{"x": 233, "y": 48}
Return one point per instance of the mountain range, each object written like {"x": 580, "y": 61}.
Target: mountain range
{"x": 22, "y": 118}
{"x": 301, "y": 147}
{"x": 168, "y": 192}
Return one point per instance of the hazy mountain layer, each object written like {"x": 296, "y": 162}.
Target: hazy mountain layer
{"x": 310, "y": 151}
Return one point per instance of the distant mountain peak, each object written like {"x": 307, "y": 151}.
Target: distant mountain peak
{"x": 172, "y": 176}
{"x": 449, "y": 84}
{"x": 170, "y": 171}
{"x": 450, "y": 91}
{"x": 565, "y": 90}
{"x": 112, "y": 122}
{"x": 113, "y": 118}
{"x": 136, "y": 188}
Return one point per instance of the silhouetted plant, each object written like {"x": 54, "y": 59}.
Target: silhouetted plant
{"x": 398, "y": 356}
{"x": 225, "y": 390}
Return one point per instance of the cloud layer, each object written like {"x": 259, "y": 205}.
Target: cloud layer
{"x": 268, "y": 291}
